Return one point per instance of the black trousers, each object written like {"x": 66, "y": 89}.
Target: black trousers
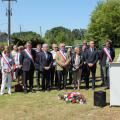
{"x": 38, "y": 78}
{"x": 62, "y": 76}
{"x": 54, "y": 77}
{"x": 70, "y": 72}
{"x": 102, "y": 75}
{"x": 28, "y": 75}
{"x": 93, "y": 71}
{"x": 45, "y": 80}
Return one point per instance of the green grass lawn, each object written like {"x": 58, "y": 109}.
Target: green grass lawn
{"x": 46, "y": 106}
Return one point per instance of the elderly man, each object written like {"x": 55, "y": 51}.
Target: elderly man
{"x": 27, "y": 61}
{"x": 37, "y": 65}
{"x": 91, "y": 58}
{"x": 53, "y": 70}
{"x": 63, "y": 60}
{"x": 46, "y": 60}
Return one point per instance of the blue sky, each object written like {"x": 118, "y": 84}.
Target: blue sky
{"x": 31, "y": 14}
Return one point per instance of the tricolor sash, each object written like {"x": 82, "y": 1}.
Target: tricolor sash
{"x": 29, "y": 55}
{"x": 7, "y": 62}
{"x": 62, "y": 55}
{"x": 108, "y": 54}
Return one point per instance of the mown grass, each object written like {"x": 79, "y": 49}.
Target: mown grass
{"x": 46, "y": 106}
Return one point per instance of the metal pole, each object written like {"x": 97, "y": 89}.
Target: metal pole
{"x": 9, "y": 22}
{"x": 9, "y": 13}
{"x": 40, "y": 31}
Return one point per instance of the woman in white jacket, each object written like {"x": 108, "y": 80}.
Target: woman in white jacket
{"x": 7, "y": 70}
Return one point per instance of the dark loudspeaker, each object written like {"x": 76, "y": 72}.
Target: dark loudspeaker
{"x": 100, "y": 98}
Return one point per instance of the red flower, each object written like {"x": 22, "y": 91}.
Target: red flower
{"x": 69, "y": 97}
{"x": 74, "y": 101}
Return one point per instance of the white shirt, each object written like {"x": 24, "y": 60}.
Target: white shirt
{"x": 77, "y": 60}
{"x": 13, "y": 53}
{"x": 17, "y": 59}
{"x": 54, "y": 54}
{"x": 4, "y": 65}
{"x": 46, "y": 55}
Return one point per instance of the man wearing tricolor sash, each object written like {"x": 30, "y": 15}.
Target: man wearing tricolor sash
{"x": 106, "y": 56}
{"x": 27, "y": 59}
{"x": 62, "y": 60}
{"x": 7, "y": 71}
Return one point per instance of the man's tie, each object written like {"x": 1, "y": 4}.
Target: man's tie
{"x": 92, "y": 49}
{"x": 46, "y": 55}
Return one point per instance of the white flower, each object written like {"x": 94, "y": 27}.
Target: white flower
{"x": 66, "y": 99}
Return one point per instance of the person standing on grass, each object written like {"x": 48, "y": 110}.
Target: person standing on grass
{"x": 77, "y": 62}
{"x": 13, "y": 53}
{"x": 63, "y": 61}
{"x": 106, "y": 56}
{"x": 91, "y": 58}
{"x": 54, "y": 78}
{"x": 37, "y": 65}
{"x": 46, "y": 61}
{"x": 27, "y": 61}
{"x": 7, "y": 71}
{"x": 85, "y": 72}
{"x": 70, "y": 53}
{"x": 17, "y": 68}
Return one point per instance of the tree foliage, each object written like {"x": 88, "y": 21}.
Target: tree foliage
{"x": 78, "y": 34}
{"x": 59, "y": 34}
{"x": 105, "y": 22}
{"x": 23, "y": 37}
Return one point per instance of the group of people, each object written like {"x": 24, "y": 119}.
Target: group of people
{"x": 53, "y": 68}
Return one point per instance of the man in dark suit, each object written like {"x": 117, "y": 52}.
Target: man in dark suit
{"x": 91, "y": 58}
{"x": 107, "y": 55}
{"x": 37, "y": 66}
{"x": 46, "y": 60}
{"x": 54, "y": 78}
{"x": 27, "y": 59}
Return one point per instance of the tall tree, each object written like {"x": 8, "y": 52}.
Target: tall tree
{"x": 59, "y": 34}
{"x": 105, "y": 22}
{"x": 78, "y": 34}
{"x": 23, "y": 37}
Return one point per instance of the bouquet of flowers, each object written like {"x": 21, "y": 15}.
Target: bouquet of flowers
{"x": 73, "y": 97}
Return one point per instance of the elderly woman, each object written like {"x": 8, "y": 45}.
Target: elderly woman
{"x": 77, "y": 62}
{"x": 7, "y": 69}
